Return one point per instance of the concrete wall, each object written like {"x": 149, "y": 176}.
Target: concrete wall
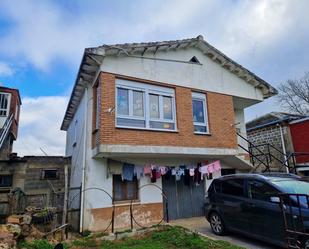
{"x": 75, "y": 149}
{"x": 27, "y": 175}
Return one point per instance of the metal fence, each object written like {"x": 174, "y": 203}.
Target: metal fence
{"x": 295, "y": 213}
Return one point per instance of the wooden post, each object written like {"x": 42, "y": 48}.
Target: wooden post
{"x": 65, "y": 202}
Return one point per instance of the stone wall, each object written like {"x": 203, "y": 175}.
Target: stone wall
{"x": 271, "y": 135}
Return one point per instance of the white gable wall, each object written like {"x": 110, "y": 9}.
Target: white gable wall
{"x": 209, "y": 76}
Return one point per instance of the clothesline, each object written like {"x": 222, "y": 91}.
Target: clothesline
{"x": 195, "y": 171}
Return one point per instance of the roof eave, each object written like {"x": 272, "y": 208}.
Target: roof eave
{"x": 84, "y": 76}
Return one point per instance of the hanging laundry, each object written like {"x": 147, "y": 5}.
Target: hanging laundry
{"x": 147, "y": 169}
{"x": 168, "y": 173}
{"x": 210, "y": 168}
{"x": 204, "y": 170}
{"x": 158, "y": 174}
{"x": 180, "y": 172}
{"x": 187, "y": 177}
{"x": 192, "y": 172}
{"x": 162, "y": 170}
{"x": 197, "y": 174}
{"x": 128, "y": 171}
{"x": 217, "y": 166}
{"x": 138, "y": 171}
{"x": 173, "y": 171}
{"x": 153, "y": 175}
{"x": 114, "y": 168}
{"x": 214, "y": 167}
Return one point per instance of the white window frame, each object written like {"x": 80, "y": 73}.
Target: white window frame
{"x": 146, "y": 89}
{"x": 201, "y": 97}
{"x": 7, "y": 109}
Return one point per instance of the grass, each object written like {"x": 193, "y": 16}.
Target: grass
{"x": 165, "y": 238}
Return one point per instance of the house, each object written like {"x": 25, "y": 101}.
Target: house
{"x": 29, "y": 180}
{"x": 284, "y": 137}
{"x": 171, "y": 105}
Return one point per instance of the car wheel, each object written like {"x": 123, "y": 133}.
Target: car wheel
{"x": 306, "y": 244}
{"x": 216, "y": 223}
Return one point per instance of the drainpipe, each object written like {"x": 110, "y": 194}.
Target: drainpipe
{"x": 81, "y": 224}
{"x": 283, "y": 147}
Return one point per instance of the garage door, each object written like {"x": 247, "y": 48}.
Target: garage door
{"x": 183, "y": 201}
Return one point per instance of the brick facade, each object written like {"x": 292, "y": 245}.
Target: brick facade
{"x": 220, "y": 115}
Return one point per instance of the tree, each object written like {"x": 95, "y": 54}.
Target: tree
{"x": 293, "y": 95}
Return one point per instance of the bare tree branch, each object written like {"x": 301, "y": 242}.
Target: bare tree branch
{"x": 294, "y": 95}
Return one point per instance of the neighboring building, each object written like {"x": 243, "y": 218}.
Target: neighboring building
{"x": 41, "y": 179}
{"x": 299, "y": 130}
{"x": 9, "y": 119}
{"x": 164, "y": 104}
{"x": 286, "y": 133}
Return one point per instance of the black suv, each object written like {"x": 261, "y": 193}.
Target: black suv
{"x": 250, "y": 204}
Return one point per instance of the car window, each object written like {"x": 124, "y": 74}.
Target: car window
{"x": 261, "y": 190}
{"x": 233, "y": 187}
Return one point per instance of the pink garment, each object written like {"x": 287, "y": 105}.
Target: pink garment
{"x": 217, "y": 166}
{"x": 191, "y": 172}
{"x": 214, "y": 167}
{"x": 210, "y": 168}
{"x": 147, "y": 170}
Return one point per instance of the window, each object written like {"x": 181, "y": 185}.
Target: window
{"x": 225, "y": 172}
{"x": 233, "y": 187}
{"x": 144, "y": 106}
{"x": 4, "y": 104}
{"x": 260, "y": 190}
{"x": 194, "y": 60}
{"x": 50, "y": 174}
{"x": 124, "y": 190}
{"x": 6, "y": 181}
{"x": 200, "y": 119}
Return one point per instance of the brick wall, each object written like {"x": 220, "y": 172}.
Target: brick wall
{"x": 220, "y": 113}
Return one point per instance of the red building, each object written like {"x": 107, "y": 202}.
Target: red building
{"x": 300, "y": 137}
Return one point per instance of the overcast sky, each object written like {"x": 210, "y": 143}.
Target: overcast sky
{"x": 41, "y": 44}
